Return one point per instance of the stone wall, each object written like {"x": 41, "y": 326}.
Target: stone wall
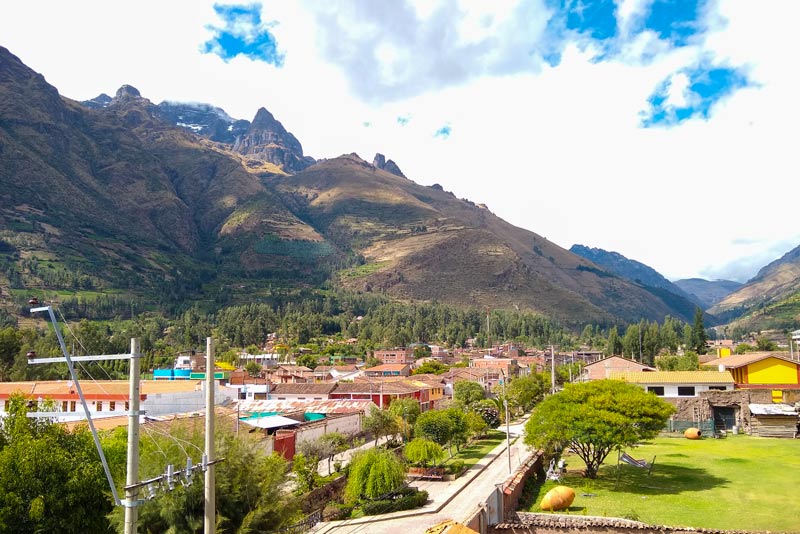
{"x": 531, "y": 523}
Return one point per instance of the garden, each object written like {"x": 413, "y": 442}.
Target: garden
{"x": 740, "y": 482}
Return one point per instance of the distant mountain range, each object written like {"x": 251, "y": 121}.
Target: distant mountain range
{"x": 707, "y": 292}
{"x": 181, "y": 203}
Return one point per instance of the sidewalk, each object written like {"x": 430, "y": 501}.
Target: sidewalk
{"x": 440, "y": 494}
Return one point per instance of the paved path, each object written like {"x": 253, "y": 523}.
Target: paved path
{"x": 455, "y": 499}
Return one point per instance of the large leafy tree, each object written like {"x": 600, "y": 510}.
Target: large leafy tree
{"x": 593, "y": 418}
{"x": 526, "y": 391}
{"x": 406, "y": 411}
{"x": 423, "y": 452}
{"x": 380, "y": 423}
{"x": 468, "y": 392}
{"x": 51, "y": 479}
{"x": 374, "y": 473}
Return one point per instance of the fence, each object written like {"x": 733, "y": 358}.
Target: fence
{"x": 706, "y": 426}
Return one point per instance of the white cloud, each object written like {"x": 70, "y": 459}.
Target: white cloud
{"x": 558, "y": 150}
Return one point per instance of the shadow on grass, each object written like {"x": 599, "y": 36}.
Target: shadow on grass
{"x": 665, "y": 479}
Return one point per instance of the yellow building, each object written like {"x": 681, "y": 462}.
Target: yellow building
{"x": 764, "y": 370}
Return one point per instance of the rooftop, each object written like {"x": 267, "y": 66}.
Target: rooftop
{"x": 674, "y": 377}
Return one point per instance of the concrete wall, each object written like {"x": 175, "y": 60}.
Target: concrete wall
{"x": 344, "y": 424}
{"x": 182, "y": 402}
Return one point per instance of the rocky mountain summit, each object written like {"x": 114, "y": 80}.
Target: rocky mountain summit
{"x": 268, "y": 140}
{"x": 382, "y": 163}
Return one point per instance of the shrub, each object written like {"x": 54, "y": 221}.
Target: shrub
{"x": 455, "y": 467}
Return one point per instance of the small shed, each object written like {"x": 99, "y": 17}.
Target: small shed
{"x": 774, "y": 420}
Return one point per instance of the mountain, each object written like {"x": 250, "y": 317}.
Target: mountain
{"x": 115, "y": 198}
{"x": 769, "y": 299}
{"x": 382, "y": 163}
{"x": 204, "y": 120}
{"x": 707, "y": 292}
{"x": 268, "y": 140}
{"x": 631, "y": 269}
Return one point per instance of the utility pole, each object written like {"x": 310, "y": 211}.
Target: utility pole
{"x": 508, "y": 434}
{"x": 209, "y": 523}
{"x": 552, "y": 370}
{"x": 132, "y": 477}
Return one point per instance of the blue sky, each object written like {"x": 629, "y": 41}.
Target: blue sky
{"x": 621, "y": 124}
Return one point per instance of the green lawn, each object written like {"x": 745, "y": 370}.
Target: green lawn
{"x": 739, "y": 482}
{"x": 476, "y": 450}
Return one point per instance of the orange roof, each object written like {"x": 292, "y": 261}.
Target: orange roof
{"x": 96, "y": 388}
{"x": 388, "y": 367}
{"x": 673, "y": 377}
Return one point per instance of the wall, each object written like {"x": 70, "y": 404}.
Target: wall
{"x": 182, "y": 402}
{"x": 513, "y": 488}
{"x": 772, "y": 371}
{"x": 344, "y": 424}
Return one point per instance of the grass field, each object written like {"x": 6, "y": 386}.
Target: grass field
{"x": 476, "y": 450}
{"x": 739, "y": 482}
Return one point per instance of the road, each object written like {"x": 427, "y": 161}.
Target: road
{"x": 448, "y": 499}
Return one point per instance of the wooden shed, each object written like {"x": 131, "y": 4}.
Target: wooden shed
{"x": 774, "y": 420}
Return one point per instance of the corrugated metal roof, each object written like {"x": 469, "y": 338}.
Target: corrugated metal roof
{"x": 772, "y": 409}
{"x": 307, "y": 388}
{"x": 333, "y": 406}
{"x": 271, "y": 421}
{"x": 674, "y": 377}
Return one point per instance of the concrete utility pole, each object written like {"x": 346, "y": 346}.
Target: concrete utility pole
{"x": 132, "y": 477}
{"x": 209, "y": 523}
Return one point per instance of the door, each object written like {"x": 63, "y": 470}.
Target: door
{"x": 724, "y": 418}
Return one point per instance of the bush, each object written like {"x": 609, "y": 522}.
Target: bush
{"x": 410, "y": 501}
{"x": 455, "y": 467}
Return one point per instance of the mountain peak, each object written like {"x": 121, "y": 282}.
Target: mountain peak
{"x": 390, "y": 166}
{"x": 268, "y": 140}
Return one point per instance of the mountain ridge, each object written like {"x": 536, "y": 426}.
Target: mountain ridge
{"x": 120, "y": 198}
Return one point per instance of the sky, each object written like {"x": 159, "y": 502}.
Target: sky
{"x": 665, "y": 130}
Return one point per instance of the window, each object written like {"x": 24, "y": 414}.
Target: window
{"x": 127, "y": 406}
{"x": 63, "y": 406}
{"x": 72, "y": 406}
{"x": 658, "y": 390}
{"x": 717, "y": 388}
{"x": 112, "y": 405}
{"x": 686, "y": 391}
{"x": 98, "y": 406}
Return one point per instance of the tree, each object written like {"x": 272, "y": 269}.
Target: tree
{"x": 51, "y": 479}
{"x": 614, "y": 343}
{"x": 468, "y": 392}
{"x": 423, "y": 452}
{"x": 333, "y": 443}
{"x": 308, "y": 360}
{"x": 763, "y": 343}
{"x": 593, "y": 418}
{"x": 249, "y": 484}
{"x": 380, "y": 423}
{"x": 526, "y": 391}
{"x": 488, "y": 412}
{"x": 252, "y": 368}
{"x": 699, "y": 333}
{"x": 436, "y": 426}
{"x": 431, "y": 367}
{"x": 406, "y": 411}
{"x": 373, "y": 473}
{"x": 421, "y": 351}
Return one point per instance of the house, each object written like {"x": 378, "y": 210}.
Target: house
{"x": 486, "y": 377}
{"x": 766, "y": 370}
{"x": 382, "y": 393}
{"x": 774, "y": 420}
{"x": 675, "y": 384}
{"x": 388, "y": 369}
{"x": 334, "y": 373}
{"x": 303, "y": 391}
{"x": 290, "y": 374}
{"x": 108, "y": 398}
{"x": 508, "y": 366}
{"x": 396, "y": 355}
{"x": 601, "y": 369}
